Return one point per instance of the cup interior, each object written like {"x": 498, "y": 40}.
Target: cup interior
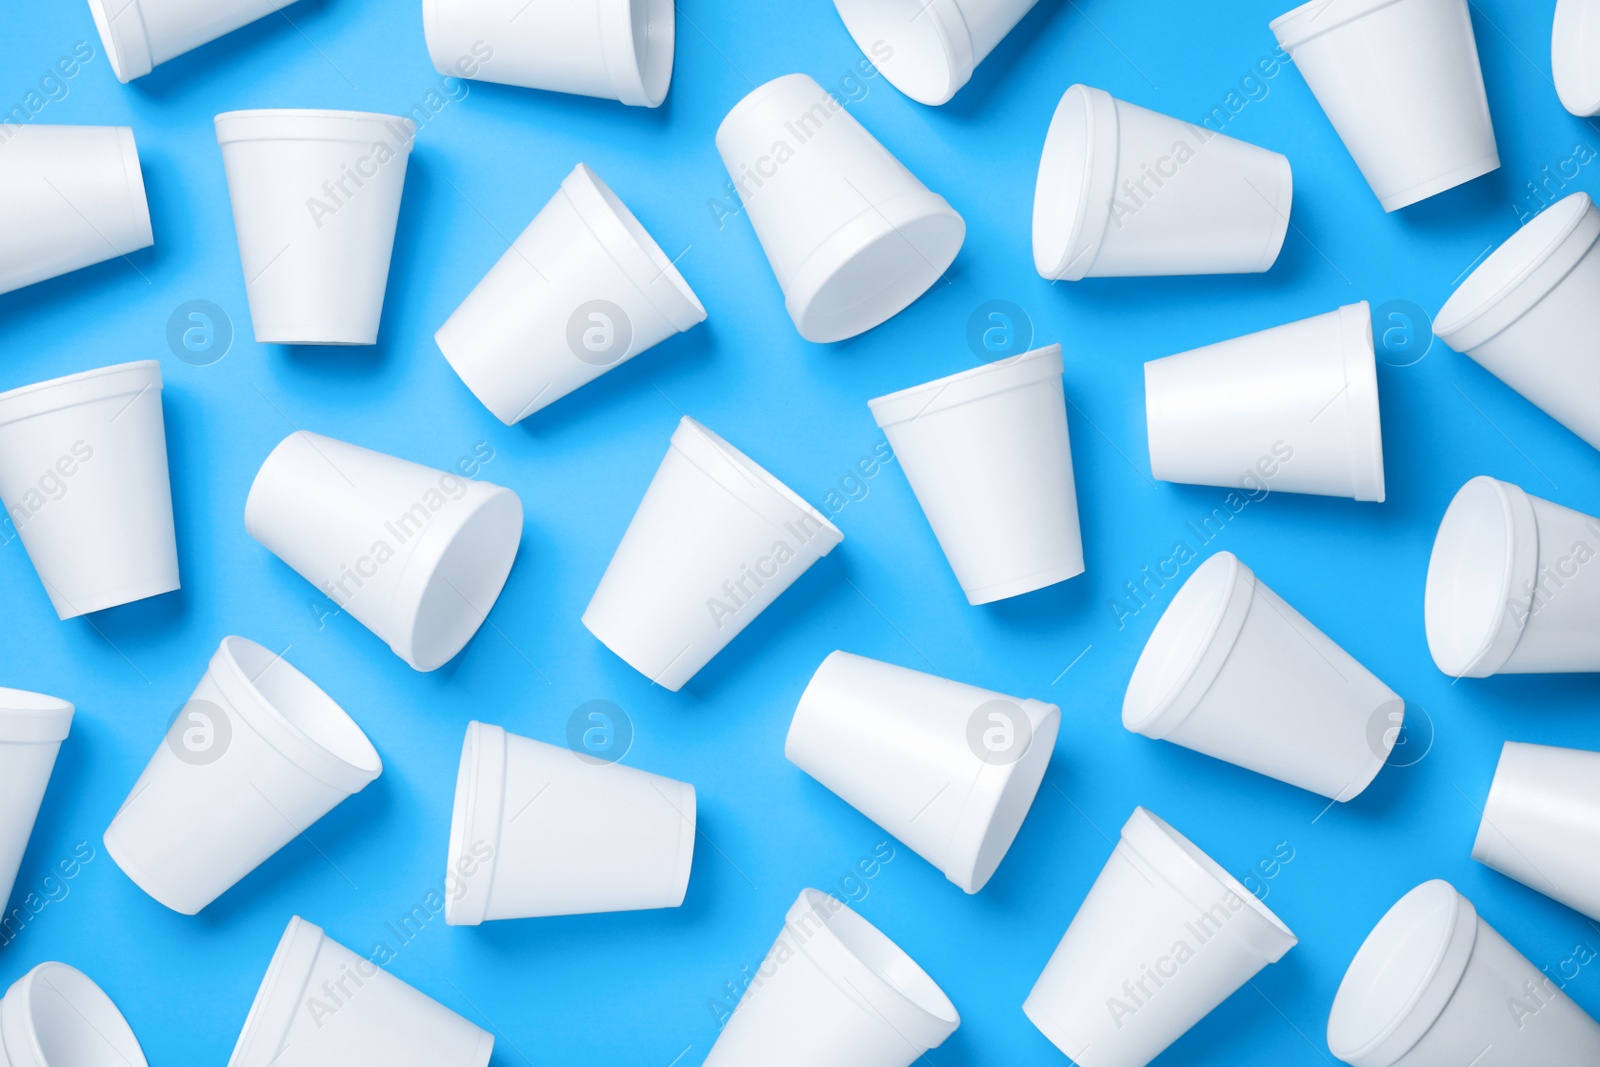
{"x": 300, "y": 702}
{"x": 75, "y": 1023}
{"x": 885, "y": 959}
{"x": 1180, "y": 860}
{"x": 921, "y": 53}
{"x": 682, "y": 308}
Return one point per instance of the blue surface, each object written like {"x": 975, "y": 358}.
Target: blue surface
{"x": 643, "y": 988}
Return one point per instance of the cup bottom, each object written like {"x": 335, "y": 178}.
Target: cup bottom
{"x": 112, "y": 598}
{"x": 874, "y": 267}
{"x": 154, "y": 889}
{"x": 1026, "y": 584}
{"x": 1448, "y": 180}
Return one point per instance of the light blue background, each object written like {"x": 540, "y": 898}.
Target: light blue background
{"x": 636, "y": 988}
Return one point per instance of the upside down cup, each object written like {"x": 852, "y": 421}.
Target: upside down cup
{"x": 55, "y": 1016}
{"x": 70, "y": 196}
{"x": 256, "y": 756}
{"x": 834, "y": 990}
{"x": 321, "y": 1005}
{"x": 987, "y": 454}
{"x": 316, "y": 197}
{"x": 928, "y": 49}
{"x": 1291, "y": 409}
{"x": 852, "y": 235}
{"x": 1164, "y": 936}
{"x": 140, "y": 35}
{"x": 1541, "y": 823}
{"x": 1233, "y": 671}
{"x": 1513, "y": 586}
{"x": 541, "y": 830}
{"x": 615, "y": 49}
{"x": 1435, "y": 984}
{"x": 417, "y": 555}
{"x": 1530, "y": 314}
{"x": 947, "y": 768}
{"x": 581, "y": 291}
{"x": 715, "y": 540}
{"x": 32, "y": 727}
{"x": 1401, "y": 82}
{"x": 1124, "y": 191}
{"x": 83, "y": 475}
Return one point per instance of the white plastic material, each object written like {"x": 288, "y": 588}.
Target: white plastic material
{"x": 417, "y": 555}
{"x": 583, "y": 290}
{"x": 70, "y": 196}
{"x": 1541, "y": 823}
{"x": 55, "y": 1016}
{"x": 615, "y": 49}
{"x": 715, "y": 540}
{"x": 1434, "y": 984}
{"x": 256, "y": 756}
{"x": 1291, "y": 409}
{"x": 987, "y": 454}
{"x": 851, "y": 234}
{"x": 542, "y": 830}
{"x": 1575, "y": 55}
{"x": 321, "y": 1005}
{"x": 83, "y": 476}
{"x": 1531, "y": 314}
{"x": 140, "y": 35}
{"x": 949, "y": 769}
{"x": 1513, "y": 585}
{"x": 1164, "y": 936}
{"x": 32, "y": 727}
{"x": 316, "y": 197}
{"x": 929, "y": 48}
{"x": 834, "y": 990}
{"x": 1124, "y": 191}
{"x": 1233, "y": 671}
{"x": 1401, "y": 83}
